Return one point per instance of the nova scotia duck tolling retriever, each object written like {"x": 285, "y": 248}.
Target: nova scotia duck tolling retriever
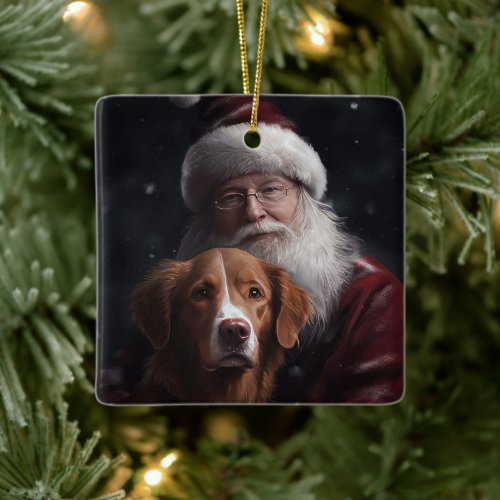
{"x": 219, "y": 325}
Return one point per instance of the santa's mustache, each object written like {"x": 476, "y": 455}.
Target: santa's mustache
{"x": 260, "y": 227}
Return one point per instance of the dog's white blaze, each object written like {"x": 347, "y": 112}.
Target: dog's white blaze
{"x": 228, "y": 311}
{"x": 227, "y": 299}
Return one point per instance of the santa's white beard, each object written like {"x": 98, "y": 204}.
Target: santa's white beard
{"x": 272, "y": 247}
{"x": 314, "y": 250}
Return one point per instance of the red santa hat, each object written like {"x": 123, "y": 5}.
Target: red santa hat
{"x": 221, "y": 153}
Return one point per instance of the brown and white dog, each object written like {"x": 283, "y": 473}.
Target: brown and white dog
{"x": 219, "y": 325}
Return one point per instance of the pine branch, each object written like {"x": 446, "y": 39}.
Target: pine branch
{"x": 404, "y": 451}
{"x": 46, "y": 277}
{"x": 42, "y": 459}
{"x": 457, "y": 23}
{"x": 46, "y": 297}
{"x": 199, "y": 40}
{"x": 31, "y": 181}
{"x": 238, "y": 470}
{"x": 125, "y": 430}
{"x": 41, "y": 88}
{"x": 454, "y": 145}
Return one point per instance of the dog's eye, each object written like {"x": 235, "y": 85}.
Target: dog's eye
{"x": 201, "y": 293}
{"x": 254, "y": 293}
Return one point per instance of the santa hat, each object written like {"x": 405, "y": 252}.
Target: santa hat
{"x": 221, "y": 153}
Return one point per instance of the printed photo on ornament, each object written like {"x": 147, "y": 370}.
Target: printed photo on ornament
{"x": 267, "y": 271}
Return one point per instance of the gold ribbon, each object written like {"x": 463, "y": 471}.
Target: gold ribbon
{"x": 244, "y": 60}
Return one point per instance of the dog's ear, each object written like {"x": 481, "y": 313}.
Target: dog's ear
{"x": 292, "y": 305}
{"x": 151, "y": 302}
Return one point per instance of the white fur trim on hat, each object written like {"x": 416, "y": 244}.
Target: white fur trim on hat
{"x": 221, "y": 155}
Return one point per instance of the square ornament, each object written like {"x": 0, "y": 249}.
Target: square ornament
{"x": 236, "y": 271}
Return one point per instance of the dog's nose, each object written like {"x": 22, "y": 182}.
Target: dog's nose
{"x": 234, "y": 331}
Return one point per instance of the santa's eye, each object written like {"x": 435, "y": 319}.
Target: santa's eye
{"x": 202, "y": 293}
{"x": 270, "y": 189}
{"x": 254, "y": 293}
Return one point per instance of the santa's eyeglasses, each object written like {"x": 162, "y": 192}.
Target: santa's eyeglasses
{"x": 265, "y": 196}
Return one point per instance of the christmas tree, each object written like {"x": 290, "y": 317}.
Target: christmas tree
{"x": 441, "y": 58}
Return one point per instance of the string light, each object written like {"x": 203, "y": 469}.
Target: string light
{"x": 76, "y": 10}
{"x": 155, "y": 478}
{"x": 86, "y": 19}
{"x": 152, "y": 477}
{"x": 317, "y": 33}
{"x": 169, "y": 459}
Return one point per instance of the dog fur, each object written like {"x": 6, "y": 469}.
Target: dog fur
{"x": 219, "y": 325}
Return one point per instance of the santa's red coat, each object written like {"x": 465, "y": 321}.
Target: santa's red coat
{"x": 364, "y": 361}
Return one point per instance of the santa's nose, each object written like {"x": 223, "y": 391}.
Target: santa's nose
{"x": 254, "y": 211}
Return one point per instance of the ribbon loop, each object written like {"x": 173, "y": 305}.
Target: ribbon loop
{"x": 244, "y": 58}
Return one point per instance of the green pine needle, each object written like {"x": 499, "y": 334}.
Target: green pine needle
{"x": 53, "y": 463}
{"x": 194, "y": 36}
{"x": 37, "y": 322}
{"x": 41, "y": 88}
{"x": 246, "y": 469}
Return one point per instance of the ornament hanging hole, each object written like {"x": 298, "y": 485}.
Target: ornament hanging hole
{"x": 252, "y": 139}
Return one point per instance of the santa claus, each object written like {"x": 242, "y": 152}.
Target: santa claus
{"x": 268, "y": 200}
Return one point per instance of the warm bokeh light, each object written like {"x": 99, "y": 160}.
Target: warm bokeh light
{"x": 496, "y": 222}
{"x": 141, "y": 492}
{"x": 76, "y": 10}
{"x": 317, "y": 38}
{"x": 169, "y": 459}
{"x": 153, "y": 477}
{"x": 317, "y": 34}
{"x": 86, "y": 19}
{"x": 225, "y": 426}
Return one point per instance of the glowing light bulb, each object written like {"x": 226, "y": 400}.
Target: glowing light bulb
{"x": 318, "y": 39}
{"x": 86, "y": 19}
{"x": 169, "y": 459}
{"x": 321, "y": 28}
{"x": 317, "y": 34}
{"x": 75, "y": 10}
{"x": 153, "y": 477}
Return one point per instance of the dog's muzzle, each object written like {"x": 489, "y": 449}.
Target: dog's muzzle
{"x": 234, "y": 335}
{"x": 234, "y": 332}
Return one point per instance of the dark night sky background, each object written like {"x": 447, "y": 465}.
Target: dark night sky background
{"x": 141, "y": 143}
